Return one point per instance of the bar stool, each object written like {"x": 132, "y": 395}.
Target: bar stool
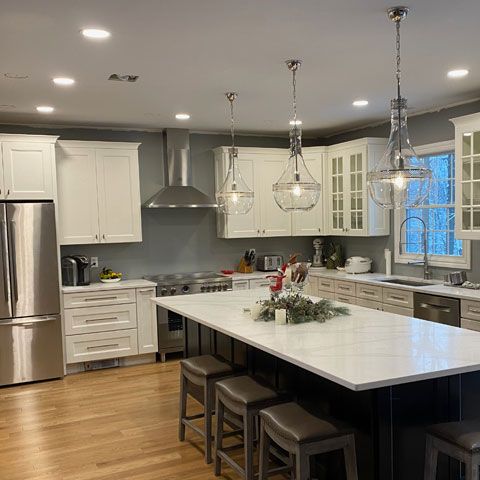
{"x": 460, "y": 440}
{"x": 202, "y": 371}
{"x": 302, "y": 434}
{"x": 245, "y": 397}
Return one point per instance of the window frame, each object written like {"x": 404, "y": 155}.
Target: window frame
{"x": 445, "y": 261}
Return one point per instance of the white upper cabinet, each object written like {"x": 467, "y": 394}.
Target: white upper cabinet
{"x": 467, "y": 177}
{"x": 311, "y": 223}
{"x": 28, "y": 163}
{"x": 98, "y": 192}
{"x": 349, "y": 209}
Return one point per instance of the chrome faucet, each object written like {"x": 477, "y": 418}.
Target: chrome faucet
{"x": 426, "y": 272}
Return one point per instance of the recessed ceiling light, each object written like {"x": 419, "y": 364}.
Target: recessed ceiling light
{"x": 459, "y": 73}
{"x": 63, "y": 81}
{"x": 96, "y": 33}
{"x": 360, "y": 103}
{"x": 45, "y": 109}
{"x": 182, "y": 116}
{"x": 295, "y": 122}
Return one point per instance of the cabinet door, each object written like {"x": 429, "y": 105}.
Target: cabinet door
{"x": 240, "y": 285}
{"x": 28, "y": 170}
{"x": 146, "y": 321}
{"x": 311, "y": 222}
{"x": 274, "y": 221}
{"x": 336, "y": 202}
{"x": 248, "y": 225}
{"x": 118, "y": 186}
{"x": 260, "y": 283}
{"x": 356, "y": 192}
{"x": 77, "y": 196}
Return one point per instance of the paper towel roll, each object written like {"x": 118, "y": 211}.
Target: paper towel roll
{"x": 388, "y": 262}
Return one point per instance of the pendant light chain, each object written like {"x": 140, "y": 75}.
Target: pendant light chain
{"x": 399, "y": 97}
{"x": 293, "y": 65}
{"x": 231, "y": 96}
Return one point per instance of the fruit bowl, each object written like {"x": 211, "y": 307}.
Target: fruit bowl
{"x": 107, "y": 275}
{"x": 110, "y": 280}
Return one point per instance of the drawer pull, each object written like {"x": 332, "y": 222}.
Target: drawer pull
{"x": 395, "y": 297}
{"x": 108, "y": 345}
{"x": 100, "y": 319}
{"x": 145, "y": 290}
{"x": 340, "y": 287}
{"x": 96, "y": 299}
{"x": 473, "y": 310}
{"x": 368, "y": 292}
{"x": 325, "y": 284}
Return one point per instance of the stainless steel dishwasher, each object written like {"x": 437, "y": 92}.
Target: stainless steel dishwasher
{"x": 437, "y": 309}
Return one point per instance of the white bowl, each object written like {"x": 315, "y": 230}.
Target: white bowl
{"x": 110, "y": 280}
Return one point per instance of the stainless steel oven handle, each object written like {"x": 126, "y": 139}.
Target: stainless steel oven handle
{"x": 13, "y": 260}
{"x": 440, "y": 308}
{"x": 3, "y": 239}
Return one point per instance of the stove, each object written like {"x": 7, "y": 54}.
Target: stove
{"x": 188, "y": 283}
{"x": 169, "y": 324}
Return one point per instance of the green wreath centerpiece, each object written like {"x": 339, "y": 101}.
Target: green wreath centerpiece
{"x": 300, "y": 309}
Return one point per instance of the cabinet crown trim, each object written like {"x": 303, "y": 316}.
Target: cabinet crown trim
{"x": 98, "y": 145}
{"x": 13, "y": 137}
{"x": 274, "y": 151}
{"x": 465, "y": 119}
{"x": 357, "y": 143}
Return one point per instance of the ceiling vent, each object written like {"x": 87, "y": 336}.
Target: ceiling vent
{"x": 123, "y": 78}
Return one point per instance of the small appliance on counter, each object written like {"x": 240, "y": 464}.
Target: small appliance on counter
{"x": 319, "y": 259}
{"x": 456, "y": 279}
{"x": 358, "y": 265}
{"x": 269, "y": 263}
{"x": 75, "y": 270}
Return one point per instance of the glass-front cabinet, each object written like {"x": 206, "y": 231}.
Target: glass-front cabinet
{"x": 350, "y": 210}
{"x": 467, "y": 177}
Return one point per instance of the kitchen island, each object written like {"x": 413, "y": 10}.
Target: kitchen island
{"x": 387, "y": 375}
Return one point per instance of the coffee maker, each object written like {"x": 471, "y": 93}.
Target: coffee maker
{"x": 75, "y": 270}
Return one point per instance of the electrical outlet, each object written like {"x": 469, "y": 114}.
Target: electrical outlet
{"x": 94, "y": 262}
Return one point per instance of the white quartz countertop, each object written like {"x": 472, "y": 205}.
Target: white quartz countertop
{"x": 375, "y": 279}
{"x": 368, "y": 349}
{"x": 96, "y": 286}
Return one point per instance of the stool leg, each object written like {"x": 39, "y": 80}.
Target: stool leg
{"x": 208, "y": 405}
{"x": 264, "y": 452}
{"x": 350, "y": 458}
{"x": 219, "y": 412}
{"x": 248, "y": 437}
{"x": 431, "y": 457}
{"x": 302, "y": 465}
{"x": 471, "y": 468}
{"x": 183, "y": 407}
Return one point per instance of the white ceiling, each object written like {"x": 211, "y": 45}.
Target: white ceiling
{"x": 189, "y": 52}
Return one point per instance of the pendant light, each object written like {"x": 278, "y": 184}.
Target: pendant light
{"x": 399, "y": 179}
{"x": 296, "y": 190}
{"x": 234, "y": 196}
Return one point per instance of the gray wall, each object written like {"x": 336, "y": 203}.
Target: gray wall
{"x": 423, "y": 129}
{"x": 182, "y": 240}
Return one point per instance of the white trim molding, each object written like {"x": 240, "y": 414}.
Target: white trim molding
{"x": 445, "y": 261}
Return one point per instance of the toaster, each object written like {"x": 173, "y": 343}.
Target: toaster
{"x": 269, "y": 263}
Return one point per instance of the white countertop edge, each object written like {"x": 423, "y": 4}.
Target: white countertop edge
{"x": 98, "y": 286}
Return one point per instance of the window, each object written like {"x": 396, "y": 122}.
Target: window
{"x": 438, "y": 213}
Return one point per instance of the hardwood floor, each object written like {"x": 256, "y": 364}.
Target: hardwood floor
{"x": 110, "y": 424}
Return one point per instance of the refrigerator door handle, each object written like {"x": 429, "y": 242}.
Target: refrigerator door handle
{"x": 3, "y": 239}
{"x": 22, "y": 322}
{"x": 13, "y": 260}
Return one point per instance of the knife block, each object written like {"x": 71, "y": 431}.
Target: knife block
{"x": 243, "y": 267}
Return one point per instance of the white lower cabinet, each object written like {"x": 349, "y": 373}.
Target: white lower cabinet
{"x": 247, "y": 284}
{"x": 362, "y": 302}
{"x": 345, "y": 299}
{"x": 470, "y": 315}
{"x": 407, "y": 312}
{"x": 109, "y": 323}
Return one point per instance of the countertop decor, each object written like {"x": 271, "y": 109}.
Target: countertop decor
{"x": 300, "y": 309}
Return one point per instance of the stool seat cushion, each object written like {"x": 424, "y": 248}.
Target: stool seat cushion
{"x": 245, "y": 390}
{"x": 294, "y": 423}
{"x": 207, "y": 366}
{"x": 466, "y": 434}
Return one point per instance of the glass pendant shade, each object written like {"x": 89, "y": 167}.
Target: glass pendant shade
{"x": 296, "y": 190}
{"x": 234, "y": 196}
{"x": 399, "y": 179}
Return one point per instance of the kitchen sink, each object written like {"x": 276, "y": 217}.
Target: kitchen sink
{"x": 409, "y": 283}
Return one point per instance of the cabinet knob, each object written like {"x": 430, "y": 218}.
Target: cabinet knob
{"x": 103, "y": 236}
{"x": 263, "y": 231}
{"x": 8, "y": 192}
{"x": 96, "y": 236}
{"x": 319, "y": 229}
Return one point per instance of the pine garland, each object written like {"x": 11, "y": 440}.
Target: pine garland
{"x": 300, "y": 309}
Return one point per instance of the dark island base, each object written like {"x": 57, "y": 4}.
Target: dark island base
{"x": 390, "y": 422}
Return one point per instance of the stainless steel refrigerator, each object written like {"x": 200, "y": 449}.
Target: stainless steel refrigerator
{"x": 30, "y": 322}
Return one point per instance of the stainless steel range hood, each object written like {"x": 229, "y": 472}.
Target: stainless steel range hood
{"x": 179, "y": 191}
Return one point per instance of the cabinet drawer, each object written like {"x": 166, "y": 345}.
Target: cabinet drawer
{"x": 325, "y": 294}
{"x": 470, "y": 324}
{"x": 345, "y": 287}
{"x": 401, "y": 298}
{"x": 326, "y": 284}
{"x": 363, "y": 302}
{"x": 93, "y": 299}
{"x": 370, "y": 292}
{"x": 99, "y": 346}
{"x": 100, "y": 319}
{"x": 259, "y": 282}
{"x": 339, "y": 297}
{"x": 240, "y": 285}
{"x": 407, "y": 312}
{"x": 312, "y": 286}
{"x": 470, "y": 309}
